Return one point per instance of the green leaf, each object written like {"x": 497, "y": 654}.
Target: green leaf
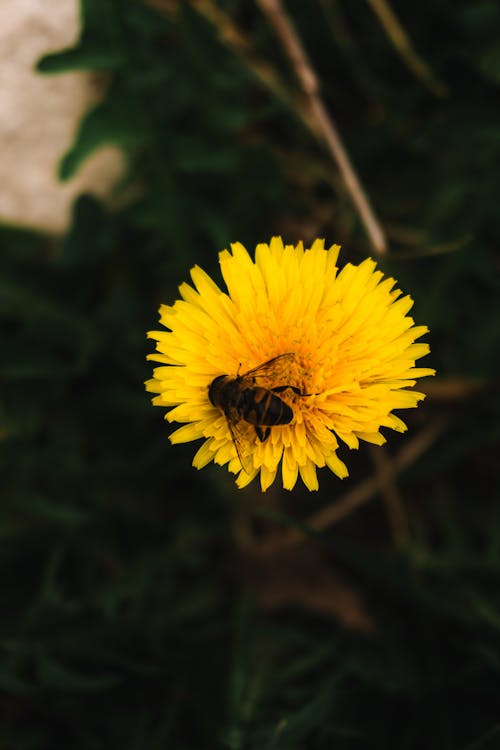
{"x": 100, "y": 46}
{"x": 489, "y": 63}
{"x": 11, "y": 683}
{"x": 80, "y": 58}
{"x": 64, "y": 515}
{"x": 296, "y": 726}
{"x": 114, "y": 122}
{"x": 53, "y": 674}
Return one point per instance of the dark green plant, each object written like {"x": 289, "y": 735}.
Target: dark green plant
{"x": 134, "y": 614}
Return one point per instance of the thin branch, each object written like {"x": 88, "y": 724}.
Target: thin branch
{"x": 326, "y": 128}
{"x": 402, "y": 43}
{"x": 456, "y": 389}
{"x": 390, "y": 494}
{"x": 239, "y": 44}
{"x": 359, "y": 495}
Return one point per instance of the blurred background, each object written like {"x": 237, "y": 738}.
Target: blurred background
{"x": 148, "y": 605}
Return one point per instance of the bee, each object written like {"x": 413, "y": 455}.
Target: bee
{"x": 246, "y": 404}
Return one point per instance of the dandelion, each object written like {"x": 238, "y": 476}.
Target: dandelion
{"x": 334, "y": 351}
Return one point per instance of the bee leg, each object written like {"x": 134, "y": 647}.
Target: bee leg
{"x": 281, "y": 388}
{"x": 262, "y": 433}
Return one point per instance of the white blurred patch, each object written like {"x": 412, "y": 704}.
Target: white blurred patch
{"x": 39, "y": 115}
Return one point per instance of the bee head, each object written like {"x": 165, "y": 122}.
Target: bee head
{"x": 214, "y": 389}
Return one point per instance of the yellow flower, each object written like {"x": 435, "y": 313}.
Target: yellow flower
{"x": 343, "y": 357}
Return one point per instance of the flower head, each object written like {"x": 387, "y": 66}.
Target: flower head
{"x": 311, "y": 355}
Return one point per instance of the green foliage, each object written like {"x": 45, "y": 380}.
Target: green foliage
{"x": 131, "y": 619}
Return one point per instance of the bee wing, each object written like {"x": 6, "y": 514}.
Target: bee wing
{"x": 241, "y": 435}
{"x": 274, "y": 368}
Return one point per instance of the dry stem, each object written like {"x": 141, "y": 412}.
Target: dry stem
{"x": 359, "y": 495}
{"x": 402, "y": 43}
{"x": 325, "y": 126}
{"x": 390, "y": 494}
{"x": 236, "y": 41}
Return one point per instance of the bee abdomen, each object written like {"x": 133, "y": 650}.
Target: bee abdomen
{"x": 260, "y": 406}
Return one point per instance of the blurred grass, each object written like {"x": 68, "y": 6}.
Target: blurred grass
{"x": 137, "y": 609}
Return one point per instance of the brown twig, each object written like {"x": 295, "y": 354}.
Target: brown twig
{"x": 402, "y": 43}
{"x": 359, "y": 495}
{"x": 455, "y": 389}
{"x": 390, "y": 494}
{"x": 326, "y": 128}
{"x": 315, "y": 118}
{"x": 239, "y": 44}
